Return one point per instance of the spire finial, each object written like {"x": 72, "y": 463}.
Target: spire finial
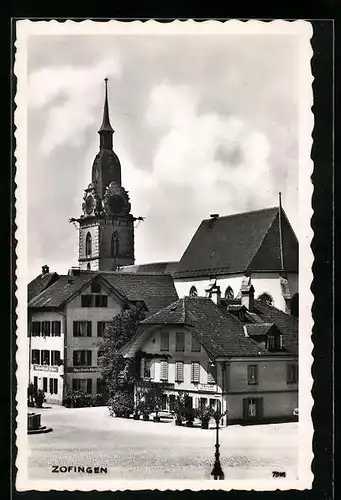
{"x": 106, "y": 122}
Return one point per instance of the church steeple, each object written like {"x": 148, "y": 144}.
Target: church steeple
{"x": 106, "y": 131}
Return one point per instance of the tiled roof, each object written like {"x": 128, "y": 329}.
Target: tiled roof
{"x": 237, "y": 243}
{"x": 151, "y": 268}
{"x": 40, "y": 283}
{"x": 155, "y": 291}
{"x": 222, "y": 334}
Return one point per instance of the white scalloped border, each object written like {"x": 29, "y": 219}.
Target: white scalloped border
{"x": 301, "y": 29}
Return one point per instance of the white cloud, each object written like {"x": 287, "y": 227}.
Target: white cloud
{"x": 78, "y": 89}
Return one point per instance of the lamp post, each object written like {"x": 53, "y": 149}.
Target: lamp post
{"x": 217, "y": 471}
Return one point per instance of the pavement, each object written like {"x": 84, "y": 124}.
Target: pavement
{"x": 132, "y": 449}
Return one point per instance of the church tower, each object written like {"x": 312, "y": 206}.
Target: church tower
{"x": 106, "y": 227}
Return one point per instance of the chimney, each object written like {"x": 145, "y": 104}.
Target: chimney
{"x": 214, "y": 293}
{"x": 45, "y": 269}
{"x": 248, "y": 297}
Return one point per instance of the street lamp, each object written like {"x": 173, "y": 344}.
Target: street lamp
{"x": 217, "y": 471}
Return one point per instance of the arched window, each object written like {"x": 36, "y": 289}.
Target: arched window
{"x": 294, "y": 305}
{"x": 193, "y": 292}
{"x": 265, "y": 297}
{"x": 115, "y": 245}
{"x": 229, "y": 293}
{"x": 88, "y": 245}
{"x": 88, "y": 266}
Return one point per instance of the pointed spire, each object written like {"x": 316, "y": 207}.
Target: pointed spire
{"x": 106, "y": 127}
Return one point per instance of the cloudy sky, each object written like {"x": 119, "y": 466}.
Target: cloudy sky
{"x": 203, "y": 124}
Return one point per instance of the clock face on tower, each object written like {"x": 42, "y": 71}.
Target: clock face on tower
{"x": 89, "y": 205}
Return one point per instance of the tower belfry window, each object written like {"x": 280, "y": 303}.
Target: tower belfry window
{"x": 88, "y": 245}
{"x": 115, "y": 245}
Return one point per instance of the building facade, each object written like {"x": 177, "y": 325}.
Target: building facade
{"x": 242, "y": 355}
{"x": 67, "y": 320}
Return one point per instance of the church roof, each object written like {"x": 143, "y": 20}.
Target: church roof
{"x": 155, "y": 291}
{"x": 40, "y": 283}
{"x": 238, "y": 243}
{"x": 151, "y": 268}
{"x": 222, "y": 334}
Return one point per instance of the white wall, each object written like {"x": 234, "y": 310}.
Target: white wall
{"x": 262, "y": 283}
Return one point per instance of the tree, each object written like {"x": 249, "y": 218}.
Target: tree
{"x": 118, "y": 372}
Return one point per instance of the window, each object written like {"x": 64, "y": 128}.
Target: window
{"x": 79, "y": 384}
{"x": 55, "y": 386}
{"x": 193, "y": 292}
{"x": 89, "y": 386}
{"x": 252, "y": 407}
{"x": 148, "y": 368}
{"x": 164, "y": 371}
{"x": 203, "y": 403}
{"x": 88, "y": 266}
{"x": 292, "y": 374}
{"x": 55, "y": 357}
{"x": 275, "y": 342}
{"x": 179, "y": 341}
{"x": 195, "y": 372}
{"x": 35, "y": 328}
{"x": 115, "y": 245}
{"x": 82, "y": 358}
{"x": 252, "y": 374}
{"x": 51, "y": 385}
{"x": 82, "y": 328}
{"x": 164, "y": 341}
{"x": 45, "y": 328}
{"x": 211, "y": 373}
{"x": 88, "y": 245}
{"x": 100, "y": 386}
{"x": 265, "y": 297}
{"x": 45, "y": 384}
{"x": 35, "y": 356}
{"x": 101, "y": 300}
{"x": 195, "y": 346}
{"x": 101, "y": 325}
{"x": 229, "y": 294}
{"x": 45, "y": 357}
{"x": 56, "y": 328}
{"x": 86, "y": 300}
{"x": 179, "y": 371}
{"x": 35, "y": 382}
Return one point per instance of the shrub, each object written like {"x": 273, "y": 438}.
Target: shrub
{"x": 77, "y": 399}
{"x": 121, "y": 404}
{"x": 31, "y": 391}
{"x": 39, "y": 398}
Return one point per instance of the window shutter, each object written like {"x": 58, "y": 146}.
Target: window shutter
{"x": 89, "y": 328}
{"x": 51, "y": 385}
{"x": 152, "y": 369}
{"x": 89, "y": 386}
{"x": 211, "y": 373}
{"x": 164, "y": 370}
{"x": 55, "y": 386}
{"x": 179, "y": 369}
{"x": 89, "y": 358}
{"x": 259, "y": 407}
{"x": 195, "y": 372}
{"x": 245, "y": 407}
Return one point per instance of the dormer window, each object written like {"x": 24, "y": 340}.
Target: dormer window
{"x": 275, "y": 342}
